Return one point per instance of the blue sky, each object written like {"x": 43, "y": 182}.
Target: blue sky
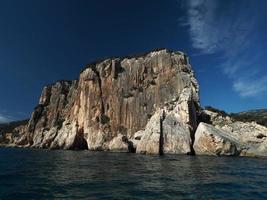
{"x": 46, "y": 40}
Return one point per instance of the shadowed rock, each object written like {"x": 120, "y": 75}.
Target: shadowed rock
{"x": 111, "y": 98}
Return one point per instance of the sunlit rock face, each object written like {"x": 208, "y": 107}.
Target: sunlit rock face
{"x": 51, "y": 117}
{"x": 118, "y": 97}
{"x": 146, "y": 104}
{"x": 251, "y": 137}
{"x": 175, "y": 123}
{"x": 213, "y": 141}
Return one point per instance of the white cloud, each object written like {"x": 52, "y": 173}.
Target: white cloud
{"x": 228, "y": 30}
{"x": 213, "y": 29}
{"x": 248, "y": 88}
{"x": 4, "y": 118}
{"x": 200, "y": 17}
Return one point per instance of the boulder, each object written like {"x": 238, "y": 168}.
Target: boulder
{"x": 119, "y": 144}
{"x": 251, "y": 136}
{"x": 213, "y": 141}
{"x": 149, "y": 142}
{"x": 176, "y": 136}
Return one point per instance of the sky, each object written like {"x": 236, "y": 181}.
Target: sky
{"x": 46, "y": 40}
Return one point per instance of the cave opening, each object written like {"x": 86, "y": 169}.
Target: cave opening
{"x": 80, "y": 142}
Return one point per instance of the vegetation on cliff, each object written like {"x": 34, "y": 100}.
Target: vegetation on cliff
{"x": 258, "y": 116}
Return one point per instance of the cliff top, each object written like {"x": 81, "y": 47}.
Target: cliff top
{"x": 139, "y": 55}
{"x": 97, "y": 61}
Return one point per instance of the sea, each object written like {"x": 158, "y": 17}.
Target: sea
{"x": 61, "y": 174}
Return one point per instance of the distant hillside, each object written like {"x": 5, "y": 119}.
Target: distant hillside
{"x": 259, "y": 116}
{"x": 8, "y": 127}
{"x": 258, "y": 112}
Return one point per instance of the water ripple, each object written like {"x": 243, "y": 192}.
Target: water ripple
{"x": 42, "y": 174}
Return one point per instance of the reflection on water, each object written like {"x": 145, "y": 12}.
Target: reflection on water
{"x": 43, "y": 174}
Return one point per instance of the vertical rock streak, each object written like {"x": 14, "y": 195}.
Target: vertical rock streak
{"x": 116, "y": 105}
{"x": 115, "y": 99}
{"x": 161, "y": 137}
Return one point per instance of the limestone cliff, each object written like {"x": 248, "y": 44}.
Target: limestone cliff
{"x": 145, "y": 104}
{"x": 114, "y": 99}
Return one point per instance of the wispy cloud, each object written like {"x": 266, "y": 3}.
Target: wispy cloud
{"x": 228, "y": 29}
{"x": 5, "y": 118}
{"x": 9, "y": 116}
{"x": 199, "y": 19}
{"x": 248, "y": 88}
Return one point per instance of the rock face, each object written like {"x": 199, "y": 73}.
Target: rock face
{"x": 176, "y": 124}
{"x": 251, "y": 136}
{"x": 145, "y": 104}
{"x": 14, "y": 134}
{"x": 116, "y": 99}
{"x": 213, "y": 141}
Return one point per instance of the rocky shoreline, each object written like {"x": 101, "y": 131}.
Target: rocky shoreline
{"x": 145, "y": 104}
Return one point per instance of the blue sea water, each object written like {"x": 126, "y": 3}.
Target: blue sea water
{"x": 44, "y": 174}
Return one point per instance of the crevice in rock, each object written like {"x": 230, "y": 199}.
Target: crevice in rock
{"x": 118, "y": 69}
{"x": 161, "y": 138}
{"x": 193, "y": 124}
{"x": 80, "y": 142}
{"x": 102, "y": 109}
{"x": 131, "y": 148}
{"x": 260, "y": 136}
{"x": 192, "y": 150}
{"x": 203, "y": 117}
